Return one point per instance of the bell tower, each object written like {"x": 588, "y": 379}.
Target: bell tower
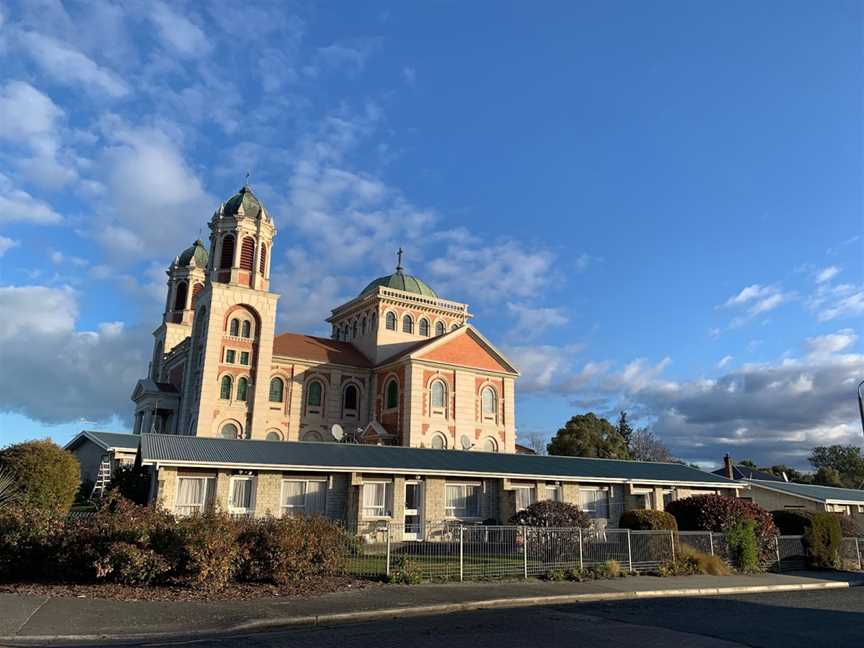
{"x": 231, "y": 342}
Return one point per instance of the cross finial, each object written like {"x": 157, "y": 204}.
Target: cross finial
{"x": 399, "y": 260}
{"x": 248, "y": 174}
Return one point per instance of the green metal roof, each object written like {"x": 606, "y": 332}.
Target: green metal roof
{"x": 252, "y": 207}
{"x": 196, "y": 252}
{"x": 107, "y": 439}
{"x": 401, "y": 281}
{"x": 821, "y": 493}
{"x": 335, "y": 457}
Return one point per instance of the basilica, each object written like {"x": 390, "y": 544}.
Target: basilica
{"x": 402, "y": 366}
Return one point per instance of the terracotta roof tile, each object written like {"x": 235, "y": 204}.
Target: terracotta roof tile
{"x": 317, "y": 349}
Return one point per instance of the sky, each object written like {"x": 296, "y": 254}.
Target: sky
{"x": 651, "y": 206}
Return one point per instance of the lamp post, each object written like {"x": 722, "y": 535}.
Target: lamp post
{"x": 861, "y": 404}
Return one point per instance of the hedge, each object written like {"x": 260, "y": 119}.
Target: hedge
{"x": 822, "y": 541}
{"x": 132, "y": 544}
{"x": 793, "y": 522}
{"x": 648, "y": 520}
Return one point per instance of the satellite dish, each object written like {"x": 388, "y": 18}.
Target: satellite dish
{"x": 337, "y": 431}
{"x": 465, "y": 442}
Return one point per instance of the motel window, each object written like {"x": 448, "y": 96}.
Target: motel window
{"x": 524, "y": 497}
{"x": 594, "y": 502}
{"x": 377, "y": 499}
{"x": 304, "y": 497}
{"x": 553, "y": 493}
{"x": 462, "y": 501}
{"x": 240, "y": 496}
{"x": 194, "y": 495}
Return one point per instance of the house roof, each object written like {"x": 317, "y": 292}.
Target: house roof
{"x": 826, "y": 494}
{"x": 317, "y": 349}
{"x": 166, "y": 449}
{"x": 106, "y": 440}
{"x": 746, "y": 472}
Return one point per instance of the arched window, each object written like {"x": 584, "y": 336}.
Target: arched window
{"x": 438, "y": 442}
{"x": 350, "y": 398}
{"x": 392, "y": 394}
{"x": 374, "y": 321}
{"x": 247, "y": 253}
{"x": 311, "y": 435}
{"x": 273, "y": 435}
{"x": 363, "y": 327}
{"x": 180, "y": 296}
{"x": 225, "y": 388}
{"x": 489, "y": 445}
{"x": 488, "y": 403}
{"x": 424, "y": 327}
{"x": 390, "y": 322}
{"x": 242, "y": 388}
{"x": 407, "y": 324}
{"x": 230, "y": 431}
{"x": 314, "y": 397}
{"x": 454, "y": 327}
{"x": 354, "y": 330}
{"x": 227, "y": 258}
{"x": 234, "y": 329}
{"x": 439, "y": 328}
{"x": 277, "y": 390}
{"x": 262, "y": 263}
{"x": 196, "y": 290}
{"x": 438, "y": 397}
{"x": 246, "y": 329}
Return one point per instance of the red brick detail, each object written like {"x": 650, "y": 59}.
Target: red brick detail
{"x": 392, "y": 419}
{"x": 465, "y": 351}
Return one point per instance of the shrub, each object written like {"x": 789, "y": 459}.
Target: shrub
{"x": 648, "y": 520}
{"x": 131, "y": 564}
{"x": 718, "y": 513}
{"x": 702, "y": 563}
{"x": 29, "y": 538}
{"x": 47, "y": 475}
{"x": 131, "y": 482}
{"x": 822, "y": 541}
{"x": 404, "y": 572}
{"x": 848, "y": 526}
{"x": 547, "y": 513}
{"x": 292, "y": 549}
{"x": 743, "y": 546}
{"x": 791, "y": 522}
{"x": 555, "y": 575}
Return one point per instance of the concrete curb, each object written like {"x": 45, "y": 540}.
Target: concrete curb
{"x": 390, "y": 613}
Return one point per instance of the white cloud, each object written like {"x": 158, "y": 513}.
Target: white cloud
{"x": 7, "y": 244}
{"x": 68, "y": 65}
{"x": 20, "y": 206}
{"x": 826, "y": 274}
{"x": 724, "y": 362}
{"x": 35, "y": 309}
{"x": 831, "y": 301}
{"x": 347, "y": 58}
{"x": 531, "y": 322}
{"x": 178, "y": 32}
{"x": 825, "y": 345}
{"x": 26, "y": 113}
{"x": 757, "y": 300}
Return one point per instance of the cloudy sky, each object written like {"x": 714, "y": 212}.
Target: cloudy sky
{"x": 648, "y": 205}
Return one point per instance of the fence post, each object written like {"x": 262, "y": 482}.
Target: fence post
{"x": 387, "y": 568}
{"x": 777, "y": 550}
{"x": 672, "y": 538}
{"x": 580, "y": 551}
{"x": 858, "y": 552}
{"x": 711, "y": 541}
{"x": 525, "y": 552}
{"x": 629, "y": 552}
{"x": 461, "y": 553}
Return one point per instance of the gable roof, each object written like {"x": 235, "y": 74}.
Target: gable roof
{"x": 435, "y": 349}
{"x": 826, "y": 494}
{"x": 746, "y": 472}
{"x": 106, "y": 440}
{"x": 318, "y": 349}
{"x": 168, "y": 449}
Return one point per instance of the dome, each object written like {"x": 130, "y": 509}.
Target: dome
{"x": 401, "y": 281}
{"x": 196, "y": 254}
{"x": 252, "y": 207}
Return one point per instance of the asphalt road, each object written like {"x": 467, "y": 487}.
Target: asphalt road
{"x": 819, "y": 618}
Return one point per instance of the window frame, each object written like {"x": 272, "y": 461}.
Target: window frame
{"x": 438, "y": 410}
{"x": 208, "y": 494}
{"x": 390, "y": 318}
{"x": 556, "y": 488}
{"x": 594, "y": 511}
{"x": 246, "y": 329}
{"x": 234, "y": 327}
{"x": 245, "y": 510}
{"x": 312, "y": 408}
{"x": 532, "y": 497}
{"x": 386, "y": 507}
{"x": 440, "y": 328}
{"x": 274, "y": 380}
{"x": 438, "y": 435}
{"x": 222, "y": 382}
{"x": 450, "y": 511}
{"x": 238, "y": 430}
{"x": 243, "y": 382}
{"x": 305, "y": 482}
{"x": 493, "y": 415}
{"x": 346, "y": 411}
{"x": 408, "y": 324}
{"x": 387, "y": 405}
{"x": 231, "y": 356}
{"x": 423, "y": 327}
{"x": 244, "y": 358}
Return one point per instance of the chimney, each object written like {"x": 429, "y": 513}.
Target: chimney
{"x": 727, "y": 464}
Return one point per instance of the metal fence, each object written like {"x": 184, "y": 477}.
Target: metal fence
{"x": 452, "y": 551}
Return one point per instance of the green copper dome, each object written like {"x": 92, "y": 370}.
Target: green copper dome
{"x": 252, "y": 207}
{"x": 196, "y": 252}
{"x": 401, "y": 281}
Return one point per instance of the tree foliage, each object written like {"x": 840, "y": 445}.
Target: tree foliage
{"x": 838, "y": 465}
{"x": 648, "y": 520}
{"x": 46, "y": 475}
{"x": 647, "y": 446}
{"x": 625, "y": 430}
{"x": 587, "y": 435}
{"x": 547, "y": 513}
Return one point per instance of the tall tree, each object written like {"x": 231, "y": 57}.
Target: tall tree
{"x": 624, "y": 428}
{"x": 46, "y": 475}
{"x": 846, "y": 460}
{"x": 647, "y": 446}
{"x": 537, "y": 442}
{"x": 587, "y": 435}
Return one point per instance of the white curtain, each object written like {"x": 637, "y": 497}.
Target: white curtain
{"x": 241, "y": 494}
{"x": 524, "y": 498}
{"x": 293, "y": 496}
{"x": 374, "y": 499}
{"x": 455, "y": 500}
{"x": 316, "y": 498}
{"x": 190, "y": 492}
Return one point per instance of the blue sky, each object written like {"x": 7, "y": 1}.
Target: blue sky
{"x": 648, "y": 205}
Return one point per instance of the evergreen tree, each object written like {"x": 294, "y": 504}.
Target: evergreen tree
{"x": 587, "y": 435}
